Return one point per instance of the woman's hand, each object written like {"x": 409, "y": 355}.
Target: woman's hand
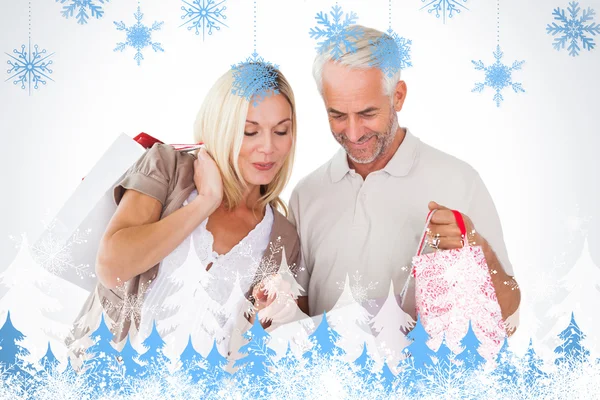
{"x": 264, "y": 295}
{"x": 207, "y": 178}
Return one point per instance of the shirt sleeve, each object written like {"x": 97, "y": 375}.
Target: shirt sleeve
{"x": 482, "y": 212}
{"x": 149, "y": 175}
{"x": 302, "y": 273}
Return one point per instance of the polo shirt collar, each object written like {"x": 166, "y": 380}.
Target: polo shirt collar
{"x": 399, "y": 165}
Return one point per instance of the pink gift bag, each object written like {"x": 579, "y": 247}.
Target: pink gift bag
{"x": 453, "y": 287}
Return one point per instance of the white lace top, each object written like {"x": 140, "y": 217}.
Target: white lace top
{"x": 185, "y": 299}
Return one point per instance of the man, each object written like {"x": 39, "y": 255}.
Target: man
{"x": 365, "y": 209}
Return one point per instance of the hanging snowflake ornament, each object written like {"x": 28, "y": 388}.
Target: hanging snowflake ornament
{"x": 84, "y": 8}
{"x": 337, "y": 36}
{"x": 444, "y": 8}
{"x": 204, "y": 15}
{"x": 391, "y": 53}
{"x": 498, "y": 76}
{"x": 30, "y": 68}
{"x": 573, "y": 29}
{"x": 139, "y": 36}
{"x": 254, "y": 79}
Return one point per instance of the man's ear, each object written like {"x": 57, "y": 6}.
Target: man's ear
{"x": 399, "y": 95}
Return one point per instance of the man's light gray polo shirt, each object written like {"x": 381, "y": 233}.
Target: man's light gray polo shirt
{"x": 371, "y": 228}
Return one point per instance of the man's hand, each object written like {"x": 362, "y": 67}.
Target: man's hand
{"x": 444, "y": 233}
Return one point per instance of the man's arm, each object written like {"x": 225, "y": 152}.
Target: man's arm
{"x": 303, "y": 275}
{"x": 507, "y": 289}
{"x": 482, "y": 218}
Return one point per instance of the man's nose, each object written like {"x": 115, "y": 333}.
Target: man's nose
{"x": 353, "y": 129}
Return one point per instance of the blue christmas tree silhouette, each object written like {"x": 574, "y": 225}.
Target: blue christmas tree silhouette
{"x": 386, "y": 377}
{"x": 469, "y": 356}
{"x": 365, "y": 363}
{"x": 127, "y": 357}
{"x": 289, "y": 359}
{"x": 191, "y": 361}
{"x": 215, "y": 369}
{"x": 103, "y": 366}
{"x": 11, "y": 352}
{"x": 505, "y": 368}
{"x": 444, "y": 355}
{"x": 532, "y": 373}
{"x": 571, "y": 350}
{"x": 258, "y": 354}
{"x": 419, "y": 350}
{"x": 324, "y": 340}
{"x": 49, "y": 362}
{"x": 153, "y": 359}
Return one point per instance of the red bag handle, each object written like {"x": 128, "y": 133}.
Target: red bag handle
{"x": 148, "y": 141}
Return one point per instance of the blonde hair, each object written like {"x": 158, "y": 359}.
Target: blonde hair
{"x": 220, "y": 126}
{"x": 362, "y": 58}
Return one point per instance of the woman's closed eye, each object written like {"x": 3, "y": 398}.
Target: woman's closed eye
{"x": 250, "y": 133}
{"x": 281, "y": 133}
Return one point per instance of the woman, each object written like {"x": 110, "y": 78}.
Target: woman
{"x": 221, "y": 209}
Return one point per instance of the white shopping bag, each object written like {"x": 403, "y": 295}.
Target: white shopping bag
{"x": 80, "y": 224}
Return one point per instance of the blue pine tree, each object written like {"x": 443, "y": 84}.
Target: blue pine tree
{"x": 49, "y": 365}
{"x": 324, "y": 340}
{"x": 49, "y": 362}
{"x": 127, "y": 358}
{"x": 444, "y": 355}
{"x": 365, "y": 363}
{"x": 12, "y": 353}
{"x": 506, "y": 371}
{"x": 215, "y": 369}
{"x": 259, "y": 355}
{"x": 192, "y": 361}
{"x": 469, "y": 356}
{"x": 418, "y": 350}
{"x": 289, "y": 359}
{"x": 386, "y": 377}
{"x": 571, "y": 351}
{"x": 532, "y": 363}
{"x": 153, "y": 358}
{"x": 102, "y": 369}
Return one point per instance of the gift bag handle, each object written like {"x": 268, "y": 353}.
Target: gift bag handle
{"x": 459, "y": 221}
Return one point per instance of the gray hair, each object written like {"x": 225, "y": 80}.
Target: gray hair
{"x": 362, "y": 58}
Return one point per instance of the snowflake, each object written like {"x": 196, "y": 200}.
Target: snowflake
{"x": 336, "y": 34}
{"x": 498, "y": 76}
{"x": 132, "y": 304}
{"x": 391, "y": 53}
{"x": 204, "y": 14}
{"x": 139, "y": 36}
{"x": 267, "y": 266}
{"x": 444, "y": 8}
{"x": 359, "y": 291}
{"x": 254, "y": 79}
{"x": 82, "y": 6}
{"x": 29, "y": 68}
{"x": 55, "y": 255}
{"x": 572, "y": 29}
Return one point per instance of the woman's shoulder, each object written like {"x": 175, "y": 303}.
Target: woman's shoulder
{"x": 157, "y": 172}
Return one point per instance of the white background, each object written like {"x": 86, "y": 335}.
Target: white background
{"x": 536, "y": 153}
